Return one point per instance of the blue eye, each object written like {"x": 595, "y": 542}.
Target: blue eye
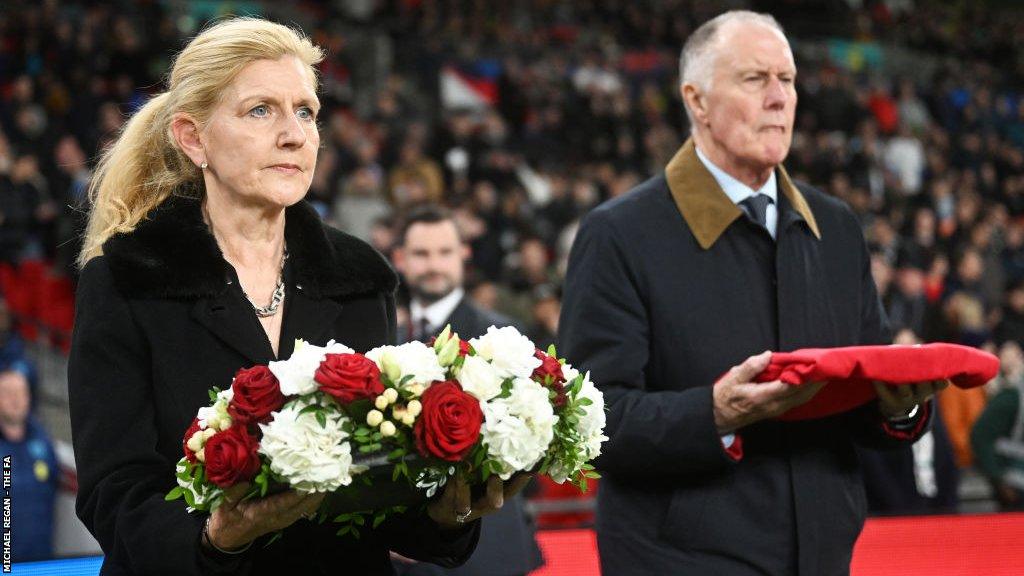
{"x": 306, "y": 113}
{"x": 261, "y": 111}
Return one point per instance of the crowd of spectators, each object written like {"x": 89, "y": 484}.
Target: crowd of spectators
{"x": 586, "y": 107}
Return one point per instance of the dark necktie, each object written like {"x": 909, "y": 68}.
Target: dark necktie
{"x": 424, "y": 329}
{"x": 756, "y": 207}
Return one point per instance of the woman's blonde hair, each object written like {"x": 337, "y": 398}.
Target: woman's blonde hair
{"x": 144, "y": 165}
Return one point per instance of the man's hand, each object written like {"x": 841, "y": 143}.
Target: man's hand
{"x": 898, "y": 401}
{"x": 738, "y": 402}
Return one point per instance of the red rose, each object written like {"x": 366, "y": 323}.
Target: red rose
{"x": 463, "y": 348}
{"x": 550, "y": 366}
{"x": 231, "y": 457}
{"x": 549, "y": 374}
{"x": 449, "y": 424}
{"x": 257, "y": 393}
{"x": 349, "y": 377}
{"x": 192, "y": 429}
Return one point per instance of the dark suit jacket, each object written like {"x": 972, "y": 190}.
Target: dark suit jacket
{"x": 160, "y": 319}
{"x": 667, "y": 288}
{"x": 507, "y": 546}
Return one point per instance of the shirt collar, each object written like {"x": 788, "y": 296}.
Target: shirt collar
{"x": 437, "y": 312}
{"x": 704, "y": 205}
{"x": 737, "y": 191}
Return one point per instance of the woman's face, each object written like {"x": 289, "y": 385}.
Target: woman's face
{"x": 261, "y": 139}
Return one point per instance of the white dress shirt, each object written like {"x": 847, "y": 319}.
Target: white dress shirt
{"x": 738, "y": 191}
{"x": 435, "y": 313}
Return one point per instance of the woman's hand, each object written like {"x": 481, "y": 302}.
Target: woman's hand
{"x": 237, "y": 522}
{"x": 454, "y": 508}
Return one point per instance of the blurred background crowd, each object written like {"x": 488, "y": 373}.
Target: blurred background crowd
{"x": 521, "y": 116}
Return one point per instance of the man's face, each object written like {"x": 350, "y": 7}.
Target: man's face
{"x": 14, "y": 397}
{"x": 750, "y": 107}
{"x": 432, "y": 260}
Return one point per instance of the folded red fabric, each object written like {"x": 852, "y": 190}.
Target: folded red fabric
{"x": 850, "y": 371}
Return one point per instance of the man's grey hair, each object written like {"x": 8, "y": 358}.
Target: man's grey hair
{"x": 697, "y": 59}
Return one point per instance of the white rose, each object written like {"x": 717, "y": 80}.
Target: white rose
{"x": 296, "y": 373}
{"x": 310, "y": 457}
{"x": 508, "y": 351}
{"x": 479, "y": 378}
{"x": 412, "y": 358}
{"x": 518, "y": 430}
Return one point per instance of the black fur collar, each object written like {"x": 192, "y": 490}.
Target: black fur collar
{"x": 171, "y": 254}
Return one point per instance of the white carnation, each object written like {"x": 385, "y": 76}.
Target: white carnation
{"x": 511, "y": 353}
{"x": 590, "y": 430}
{"x": 569, "y": 373}
{"x": 312, "y": 458}
{"x": 517, "y": 430}
{"x": 415, "y": 358}
{"x": 591, "y": 425}
{"x": 479, "y": 378}
{"x": 296, "y": 373}
{"x": 202, "y": 492}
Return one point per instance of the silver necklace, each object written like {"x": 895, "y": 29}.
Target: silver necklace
{"x": 276, "y": 299}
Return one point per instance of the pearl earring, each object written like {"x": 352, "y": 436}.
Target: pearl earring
{"x": 203, "y": 166}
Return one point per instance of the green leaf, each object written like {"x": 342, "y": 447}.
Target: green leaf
{"x": 174, "y": 494}
{"x": 396, "y": 454}
{"x": 321, "y": 418}
{"x": 362, "y": 431}
{"x": 310, "y": 408}
{"x": 551, "y": 351}
{"x": 189, "y": 498}
{"x": 406, "y": 378}
{"x": 395, "y": 473}
{"x": 343, "y": 530}
{"x": 378, "y": 520}
{"x": 584, "y": 402}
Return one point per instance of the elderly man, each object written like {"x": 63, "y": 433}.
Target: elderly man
{"x": 671, "y": 288}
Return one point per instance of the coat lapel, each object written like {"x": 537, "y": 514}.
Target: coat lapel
{"x": 228, "y": 318}
{"x": 307, "y": 318}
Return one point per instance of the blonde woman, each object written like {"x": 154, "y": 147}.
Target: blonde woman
{"x": 201, "y": 258}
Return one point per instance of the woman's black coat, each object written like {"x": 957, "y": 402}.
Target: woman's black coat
{"x": 160, "y": 319}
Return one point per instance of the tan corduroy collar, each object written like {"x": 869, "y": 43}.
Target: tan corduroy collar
{"x": 706, "y": 208}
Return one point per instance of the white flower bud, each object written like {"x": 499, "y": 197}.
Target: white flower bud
{"x": 374, "y": 418}
{"x": 416, "y": 389}
{"x": 201, "y": 455}
{"x": 447, "y": 355}
{"x": 391, "y": 366}
{"x": 381, "y": 402}
{"x": 195, "y": 443}
{"x": 415, "y": 408}
{"x": 398, "y": 412}
{"x": 391, "y": 394}
{"x": 442, "y": 339}
{"x": 208, "y": 433}
{"x": 387, "y": 428}
{"x": 408, "y": 419}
